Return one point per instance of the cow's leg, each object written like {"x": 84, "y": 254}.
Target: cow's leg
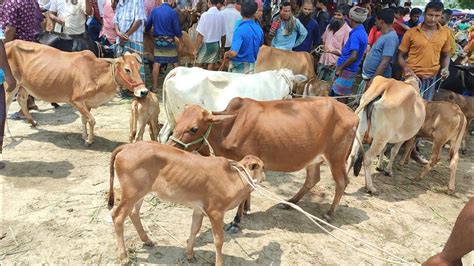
{"x": 195, "y": 228}
{"x": 312, "y": 178}
{"x": 393, "y": 154}
{"x": 453, "y": 165}
{"x": 409, "y": 146}
{"x": 23, "y": 102}
{"x": 217, "y": 223}
{"x": 135, "y": 217}
{"x": 380, "y": 162}
{"x": 373, "y": 151}
{"x": 247, "y": 205}
{"x": 339, "y": 174}
{"x": 119, "y": 214}
{"x": 89, "y": 119}
{"x": 234, "y": 226}
{"x": 435, "y": 151}
{"x": 133, "y": 122}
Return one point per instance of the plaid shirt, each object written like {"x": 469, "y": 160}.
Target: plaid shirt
{"x": 127, "y": 12}
{"x": 21, "y": 14}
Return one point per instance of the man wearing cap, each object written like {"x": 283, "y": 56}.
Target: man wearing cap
{"x": 348, "y": 63}
{"x": 5, "y": 76}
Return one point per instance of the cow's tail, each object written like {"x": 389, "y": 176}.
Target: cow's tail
{"x": 369, "y": 96}
{"x": 454, "y": 147}
{"x": 112, "y": 175}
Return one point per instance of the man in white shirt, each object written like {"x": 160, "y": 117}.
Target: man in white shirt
{"x": 70, "y": 15}
{"x": 211, "y": 29}
{"x": 231, "y": 15}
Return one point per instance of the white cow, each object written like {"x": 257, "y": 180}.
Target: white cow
{"x": 214, "y": 90}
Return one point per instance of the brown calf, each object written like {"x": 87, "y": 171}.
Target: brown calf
{"x": 460, "y": 242}
{"x": 145, "y": 111}
{"x": 443, "y": 122}
{"x": 209, "y": 185}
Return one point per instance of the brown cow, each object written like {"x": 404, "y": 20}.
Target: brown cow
{"x": 288, "y": 135}
{"x": 211, "y": 186}
{"x": 78, "y": 78}
{"x": 145, "y": 111}
{"x": 466, "y": 103}
{"x": 270, "y": 58}
{"x": 460, "y": 242}
{"x": 443, "y": 122}
{"x": 390, "y": 111}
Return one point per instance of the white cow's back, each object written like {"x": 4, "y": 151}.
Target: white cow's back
{"x": 214, "y": 90}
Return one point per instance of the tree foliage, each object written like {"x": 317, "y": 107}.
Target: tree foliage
{"x": 465, "y": 4}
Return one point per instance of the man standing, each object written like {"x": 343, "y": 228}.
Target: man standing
{"x": 129, "y": 23}
{"x": 70, "y": 16}
{"x": 445, "y": 18}
{"x": 421, "y": 51}
{"x": 415, "y": 15}
{"x": 248, "y": 37}
{"x": 286, "y": 30}
{"x": 322, "y": 16}
{"x": 348, "y": 63}
{"x": 211, "y": 29}
{"x": 231, "y": 15}
{"x": 381, "y": 57}
{"x": 5, "y": 76}
{"x": 165, "y": 22}
{"x": 333, "y": 39}
{"x": 314, "y": 37}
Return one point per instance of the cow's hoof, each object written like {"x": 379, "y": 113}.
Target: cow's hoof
{"x": 55, "y": 105}
{"x": 379, "y": 169}
{"x": 125, "y": 261}
{"x": 328, "y": 217}
{"x": 371, "y": 191}
{"x": 33, "y": 123}
{"x": 387, "y": 173}
{"x": 232, "y": 228}
{"x": 88, "y": 143}
{"x": 149, "y": 243}
{"x": 450, "y": 192}
{"x": 463, "y": 151}
{"x": 283, "y": 206}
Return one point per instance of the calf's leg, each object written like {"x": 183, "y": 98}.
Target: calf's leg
{"x": 23, "y": 102}
{"x": 437, "y": 145}
{"x": 135, "y": 217}
{"x": 119, "y": 214}
{"x": 133, "y": 122}
{"x": 217, "y": 223}
{"x": 393, "y": 154}
{"x": 195, "y": 228}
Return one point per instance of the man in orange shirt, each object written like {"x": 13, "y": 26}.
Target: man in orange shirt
{"x": 421, "y": 51}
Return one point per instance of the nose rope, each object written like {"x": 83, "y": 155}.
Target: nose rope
{"x": 202, "y": 139}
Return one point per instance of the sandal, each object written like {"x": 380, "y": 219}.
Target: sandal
{"x": 17, "y": 116}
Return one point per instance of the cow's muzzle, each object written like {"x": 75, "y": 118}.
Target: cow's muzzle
{"x": 140, "y": 92}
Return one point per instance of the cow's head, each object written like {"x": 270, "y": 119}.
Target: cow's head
{"x": 127, "y": 74}
{"x": 193, "y": 127}
{"x": 255, "y": 168}
{"x": 294, "y": 81}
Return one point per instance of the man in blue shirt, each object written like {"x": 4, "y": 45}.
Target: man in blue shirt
{"x": 381, "y": 57}
{"x": 348, "y": 63}
{"x": 165, "y": 22}
{"x": 314, "y": 37}
{"x": 247, "y": 39}
{"x": 286, "y": 30}
{"x": 5, "y": 76}
{"x": 415, "y": 15}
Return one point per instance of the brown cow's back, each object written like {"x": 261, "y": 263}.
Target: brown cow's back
{"x": 270, "y": 58}
{"x": 272, "y": 130}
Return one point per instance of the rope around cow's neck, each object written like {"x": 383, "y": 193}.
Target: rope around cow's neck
{"x": 269, "y": 195}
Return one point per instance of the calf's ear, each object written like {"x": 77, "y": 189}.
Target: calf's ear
{"x": 138, "y": 57}
{"x": 300, "y": 78}
{"x": 216, "y": 119}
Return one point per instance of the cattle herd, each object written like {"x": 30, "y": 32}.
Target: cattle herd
{"x": 241, "y": 125}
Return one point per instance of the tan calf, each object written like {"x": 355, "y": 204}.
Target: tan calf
{"x": 444, "y": 122}
{"x": 466, "y": 103}
{"x": 209, "y": 185}
{"x": 145, "y": 111}
{"x": 390, "y": 111}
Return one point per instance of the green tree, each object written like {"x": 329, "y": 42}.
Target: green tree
{"x": 465, "y": 4}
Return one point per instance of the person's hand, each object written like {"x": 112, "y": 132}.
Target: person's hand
{"x": 122, "y": 36}
{"x": 60, "y": 21}
{"x": 407, "y": 72}
{"x": 11, "y": 83}
{"x": 338, "y": 72}
{"x": 444, "y": 73}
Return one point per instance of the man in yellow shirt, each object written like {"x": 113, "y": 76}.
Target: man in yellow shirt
{"x": 421, "y": 51}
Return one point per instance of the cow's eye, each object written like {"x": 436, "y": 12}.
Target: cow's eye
{"x": 128, "y": 71}
{"x": 194, "y": 130}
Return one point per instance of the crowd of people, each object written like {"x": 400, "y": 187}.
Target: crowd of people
{"x": 372, "y": 38}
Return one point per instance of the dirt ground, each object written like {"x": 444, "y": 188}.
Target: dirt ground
{"x": 53, "y": 207}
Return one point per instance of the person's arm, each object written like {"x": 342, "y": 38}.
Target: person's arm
{"x": 348, "y": 62}
{"x": 301, "y": 31}
{"x": 149, "y": 22}
{"x": 445, "y": 64}
{"x": 88, "y": 9}
{"x": 403, "y": 25}
{"x": 53, "y": 13}
{"x": 235, "y": 45}
{"x": 403, "y": 53}
{"x": 9, "y": 79}
{"x": 10, "y": 33}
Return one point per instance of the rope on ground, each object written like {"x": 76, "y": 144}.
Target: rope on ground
{"x": 335, "y": 97}
{"x": 269, "y": 195}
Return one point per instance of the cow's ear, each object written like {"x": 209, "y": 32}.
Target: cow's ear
{"x": 138, "y": 57}
{"x": 216, "y": 119}
{"x": 300, "y": 78}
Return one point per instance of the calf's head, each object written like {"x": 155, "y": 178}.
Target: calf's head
{"x": 127, "y": 74}
{"x": 255, "y": 168}
{"x": 193, "y": 127}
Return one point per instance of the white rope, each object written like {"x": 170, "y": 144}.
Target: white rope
{"x": 335, "y": 97}
{"x": 269, "y": 195}
{"x": 434, "y": 83}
